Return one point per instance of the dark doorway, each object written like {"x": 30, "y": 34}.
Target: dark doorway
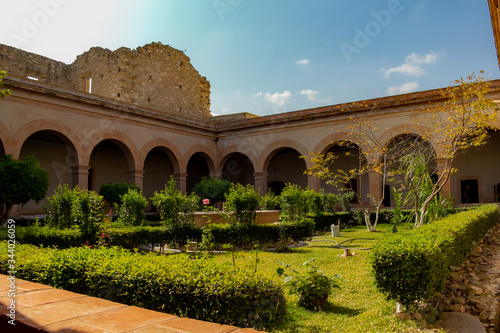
{"x": 387, "y": 196}
{"x": 276, "y": 187}
{"x": 469, "y": 191}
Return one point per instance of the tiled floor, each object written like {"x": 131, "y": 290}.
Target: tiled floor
{"x": 54, "y": 310}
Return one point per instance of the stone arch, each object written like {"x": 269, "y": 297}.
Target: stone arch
{"x": 4, "y": 140}
{"x": 45, "y": 125}
{"x": 325, "y": 144}
{"x": 198, "y": 166}
{"x": 168, "y": 147}
{"x": 118, "y": 138}
{"x": 56, "y": 155}
{"x": 262, "y": 163}
{"x": 285, "y": 166}
{"x": 111, "y": 161}
{"x": 237, "y": 167}
{"x": 207, "y": 154}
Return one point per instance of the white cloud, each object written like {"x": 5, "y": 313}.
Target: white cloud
{"x": 277, "y": 99}
{"x": 302, "y": 62}
{"x": 402, "y": 89}
{"x": 312, "y": 95}
{"x": 411, "y": 65}
{"x": 225, "y": 110}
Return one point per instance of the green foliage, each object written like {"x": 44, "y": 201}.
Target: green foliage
{"x": 243, "y": 201}
{"x": 312, "y": 287}
{"x": 20, "y": 182}
{"x": 131, "y": 211}
{"x": 270, "y": 201}
{"x": 213, "y": 189}
{"x": 412, "y": 266}
{"x": 87, "y": 214}
{"x": 198, "y": 289}
{"x": 60, "y": 203}
{"x": 45, "y": 236}
{"x": 298, "y": 230}
{"x": 4, "y": 92}
{"x": 345, "y": 200}
{"x": 113, "y": 192}
{"x": 293, "y": 203}
{"x": 174, "y": 207}
{"x": 314, "y": 201}
{"x": 330, "y": 201}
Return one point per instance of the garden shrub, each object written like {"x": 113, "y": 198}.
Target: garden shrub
{"x": 113, "y": 192}
{"x": 44, "y": 236}
{"x": 297, "y": 231}
{"x": 213, "y": 189}
{"x": 270, "y": 202}
{"x": 87, "y": 214}
{"x": 198, "y": 289}
{"x": 413, "y": 266}
{"x": 60, "y": 214}
{"x": 242, "y": 201}
{"x": 293, "y": 203}
{"x": 174, "y": 207}
{"x": 131, "y": 212}
{"x": 314, "y": 201}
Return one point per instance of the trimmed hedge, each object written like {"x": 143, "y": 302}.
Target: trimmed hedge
{"x": 198, "y": 289}
{"x": 131, "y": 237}
{"x": 413, "y": 266}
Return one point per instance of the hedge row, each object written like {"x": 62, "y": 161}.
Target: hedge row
{"x": 198, "y": 289}
{"x": 413, "y": 266}
{"x": 131, "y": 237}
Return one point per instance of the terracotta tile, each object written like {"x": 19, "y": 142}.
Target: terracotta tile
{"x": 22, "y": 286}
{"x": 127, "y": 319}
{"x": 73, "y": 326}
{"x": 185, "y": 325}
{"x": 46, "y": 296}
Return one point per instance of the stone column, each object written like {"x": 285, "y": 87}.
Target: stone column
{"x": 260, "y": 182}
{"x": 136, "y": 177}
{"x": 81, "y": 176}
{"x": 181, "y": 179}
{"x": 446, "y": 189}
{"x": 374, "y": 184}
{"x": 313, "y": 183}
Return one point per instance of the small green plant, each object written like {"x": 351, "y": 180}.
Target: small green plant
{"x": 60, "y": 203}
{"x": 293, "y": 203}
{"x": 346, "y": 199}
{"x": 312, "y": 287}
{"x": 113, "y": 192}
{"x": 269, "y": 202}
{"x": 243, "y": 201}
{"x": 131, "y": 212}
{"x": 175, "y": 208}
{"x": 87, "y": 214}
{"x": 330, "y": 201}
{"x": 213, "y": 189}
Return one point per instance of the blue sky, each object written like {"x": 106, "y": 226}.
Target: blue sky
{"x": 274, "y": 56}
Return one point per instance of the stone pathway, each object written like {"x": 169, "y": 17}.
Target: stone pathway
{"x": 474, "y": 287}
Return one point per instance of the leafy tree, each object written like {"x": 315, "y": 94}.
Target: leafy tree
{"x": 5, "y": 92}
{"x": 21, "y": 181}
{"x": 456, "y": 125}
{"x": 113, "y": 192}
{"x": 243, "y": 201}
{"x": 213, "y": 189}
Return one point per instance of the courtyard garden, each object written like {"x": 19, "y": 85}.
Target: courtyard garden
{"x": 287, "y": 276}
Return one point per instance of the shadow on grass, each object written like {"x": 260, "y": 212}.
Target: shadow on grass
{"x": 339, "y": 309}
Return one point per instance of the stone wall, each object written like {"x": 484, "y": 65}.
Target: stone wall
{"x": 154, "y": 76}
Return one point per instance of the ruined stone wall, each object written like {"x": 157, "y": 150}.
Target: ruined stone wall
{"x": 22, "y": 64}
{"x": 155, "y": 76}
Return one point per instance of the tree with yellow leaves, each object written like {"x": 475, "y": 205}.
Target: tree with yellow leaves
{"x": 449, "y": 128}
{"x": 4, "y": 92}
{"x": 461, "y": 122}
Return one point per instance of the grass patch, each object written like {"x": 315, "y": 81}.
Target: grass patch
{"x": 356, "y": 307}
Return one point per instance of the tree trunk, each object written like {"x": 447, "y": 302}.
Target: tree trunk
{"x": 368, "y": 222}
{"x": 5, "y": 209}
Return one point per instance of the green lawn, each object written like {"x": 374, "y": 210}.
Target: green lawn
{"x": 356, "y": 307}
